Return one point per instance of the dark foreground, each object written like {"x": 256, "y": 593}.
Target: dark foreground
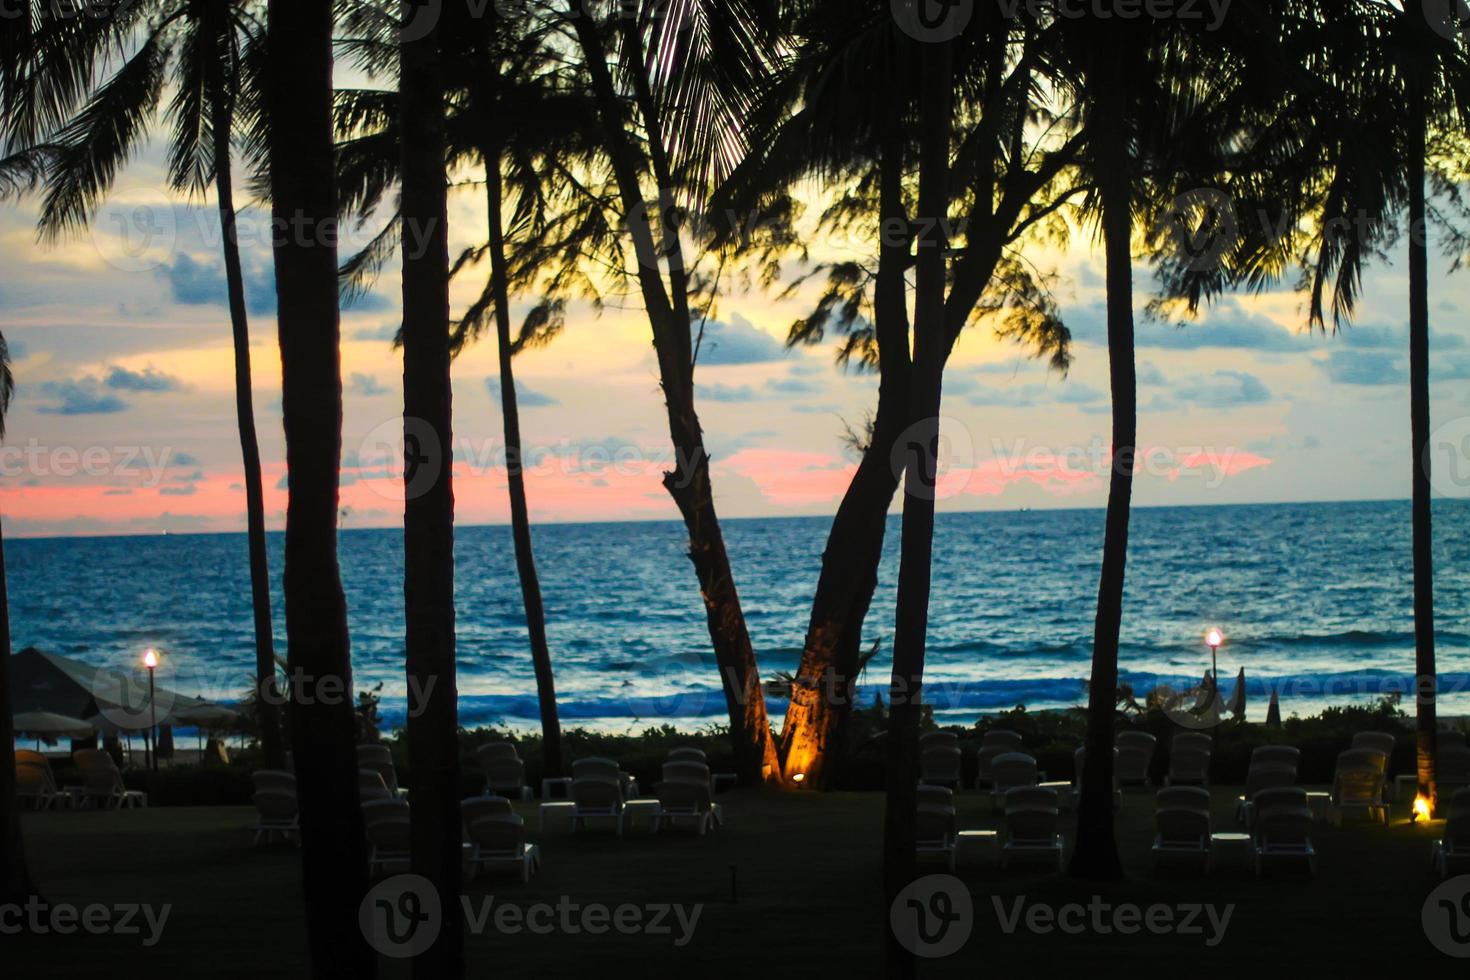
{"x": 789, "y": 887}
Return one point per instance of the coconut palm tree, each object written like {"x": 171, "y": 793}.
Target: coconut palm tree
{"x": 298, "y": 114}
{"x": 199, "y": 48}
{"x": 428, "y": 518}
{"x": 840, "y": 108}
{"x": 15, "y": 878}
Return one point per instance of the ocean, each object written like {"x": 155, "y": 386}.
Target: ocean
{"x": 1314, "y": 600}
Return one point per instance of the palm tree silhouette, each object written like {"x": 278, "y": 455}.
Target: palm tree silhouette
{"x": 201, "y": 48}
{"x": 298, "y": 134}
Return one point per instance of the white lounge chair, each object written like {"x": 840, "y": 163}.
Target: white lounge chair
{"x": 497, "y": 837}
{"x": 1184, "y": 825}
{"x": 688, "y": 800}
{"x": 1451, "y": 854}
{"x": 276, "y": 813}
{"x": 934, "y": 833}
{"x": 379, "y": 759}
{"x": 103, "y": 783}
{"x": 497, "y": 750}
{"x": 1008, "y": 740}
{"x": 939, "y": 765}
{"x": 1376, "y": 742}
{"x": 1276, "y": 755}
{"x": 1259, "y": 778}
{"x": 1031, "y": 825}
{"x": 1189, "y": 765}
{"x": 985, "y": 762}
{"x": 1282, "y": 828}
{"x": 1135, "y": 755}
{"x": 387, "y": 824}
{"x": 935, "y": 796}
{"x": 596, "y": 767}
{"x": 1357, "y": 786}
{"x": 1196, "y": 740}
{"x": 35, "y": 783}
{"x": 929, "y": 739}
{"x": 505, "y": 776}
{"x": 688, "y": 754}
{"x": 597, "y": 793}
{"x": 371, "y": 788}
{"x": 1012, "y": 770}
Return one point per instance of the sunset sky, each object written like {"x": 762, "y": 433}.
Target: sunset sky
{"x": 124, "y": 416}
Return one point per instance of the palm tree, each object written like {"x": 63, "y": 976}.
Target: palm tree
{"x": 15, "y": 878}
{"x": 840, "y": 109}
{"x": 428, "y": 518}
{"x": 298, "y": 101}
{"x": 691, "y": 60}
{"x": 200, "y": 47}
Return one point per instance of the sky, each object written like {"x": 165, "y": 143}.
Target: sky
{"x": 124, "y": 419}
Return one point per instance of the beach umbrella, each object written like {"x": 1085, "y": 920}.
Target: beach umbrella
{"x": 1237, "y": 697}
{"x": 204, "y": 715}
{"x": 44, "y": 723}
{"x": 1273, "y": 713}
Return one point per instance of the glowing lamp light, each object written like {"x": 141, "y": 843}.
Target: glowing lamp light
{"x": 1421, "y": 809}
{"x": 150, "y": 659}
{"x": 1213, "y": 639}
{"x": 798, "y": 777}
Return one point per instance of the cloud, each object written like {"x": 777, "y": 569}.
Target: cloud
{"x": 727, "y": 393}
{"x": 1349, "y": 367}
{"x": 1225, "y": 389}
{"x": 388, "y": 331}
{"x": 1226, "y": 325}
{"x": 1149, "y": 374}
{"x": 85, "y": 396}
{"x": 149, "y": 380}
{"x": 738, "y": 342}
{"x": 525, "y": 397}
{"x": 792, "y": 386}
{"x": 178, "y": 491}
{"x": 366, "y": 385}
{"x": 202, "y": 283}
{"x": 1077, "y": 393}
{"x": 184, "y": 459}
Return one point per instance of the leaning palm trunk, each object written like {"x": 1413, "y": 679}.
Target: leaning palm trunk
{"x": 266, "y": 701}
{"x": 428, "y": 518}
{"x": 1424, "y": 665}
{"x": 1096, "y": 855}
{"x": 520, "y": 519}
{"x": 667, "y": 308}
{"x": 821, "y": 698}
{"x": 15, "y": 880}
{"x": 921, "y": 449}
{"x": 323, "y": 730}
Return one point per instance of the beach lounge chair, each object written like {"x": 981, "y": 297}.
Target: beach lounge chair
{"x": 934, "y": 833}
{"x": 1276, "y": 755}
{"x": 1198, "y": 740}
{"x": 929, "y": 739}
{"x": 1183, "y": 821}
{"x": 1031, "y": 825}
{"x": 1135, "y": 756}
{"x": 1357, "y": 786}
{"x": 687, "y": 754}
{"x": 1189, "y": 765}
{"x": 496, "y": 837}
{"x": 497, "y": 750}
{"x": 1261, "y": 777}
{"x": 689, "y": 771}
{"x": 1010, "y": 741}
{"x": 686, "y": 800}
{"x": 387, "y": 825}
{"x": 102, "y": 783}
{"x": 1079, "y": 760}
{"x": 275, "y": 805}
{"x": 379, "y": 758}
{"x": 1451, "y": 852}
{"x": 1012, "y": 770}
{"x": 1377, "y": 742}
{"x": 935, "y": 796}
{"x": 597, "y": 767}
{"x": 1452, "y": 770}
{"x": 1282, "y": 827}
{"x": 35, "y": 783}
{"x": 597, "y": 792}
{"x": 939, "y": 765}
{"x": 505, "y": 776}
{"x": 985, "y": 761}
{"x": 371, "y": 788}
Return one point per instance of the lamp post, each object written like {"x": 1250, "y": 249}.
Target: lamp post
{"x": 150, "y": 660}
{"x": 1213, "y": 639}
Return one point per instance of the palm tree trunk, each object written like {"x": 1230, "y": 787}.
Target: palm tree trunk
{"x": 688, "y": 483}
{"x": 1096, "y": 854}
{"x": 520, "y": 519}
{"x": 821, "y": 697}
{"x": 1424, "y": 665}
{"x": 323, "y": 729}
{"x": 428, "y": 518}
{"x": 267, "y": 700}
{"x": 15, "y": 879}
{"x": 911, "y": 621}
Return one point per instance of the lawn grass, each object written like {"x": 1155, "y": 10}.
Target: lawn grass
{"x": 806, "y": 899}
